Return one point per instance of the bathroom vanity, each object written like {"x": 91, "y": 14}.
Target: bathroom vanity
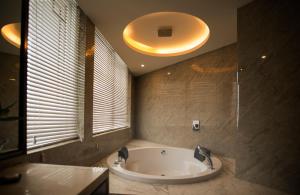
{"x": 56, "y": 179}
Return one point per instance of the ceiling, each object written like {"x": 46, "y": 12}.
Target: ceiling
{"x": 10, "y": 13}
{"x": 112, "y": 16}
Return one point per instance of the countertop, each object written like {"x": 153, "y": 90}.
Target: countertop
{"x": 54, "y": 179}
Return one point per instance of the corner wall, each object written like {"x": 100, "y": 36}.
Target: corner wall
{"x": 268, "y": 136}
{"x": 202, "y": 88}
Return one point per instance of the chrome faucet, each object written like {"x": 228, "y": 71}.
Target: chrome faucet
{"x": 203, "y": 152}
{"x": 123, "y": 154}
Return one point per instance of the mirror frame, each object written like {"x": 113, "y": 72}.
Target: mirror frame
{"x": 22, "y": 149}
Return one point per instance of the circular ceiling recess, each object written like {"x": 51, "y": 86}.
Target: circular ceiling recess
{"x": 166, "y": 34}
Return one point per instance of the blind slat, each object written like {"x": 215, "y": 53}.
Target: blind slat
{"x": 110, "y": 88}
{"x": 55, "y": 82}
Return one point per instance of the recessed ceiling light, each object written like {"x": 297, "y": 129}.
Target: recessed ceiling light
{"x": 12, "y": 79}
{"x": 263, "y": 57}
{"x": 168, "y": 73}
{"x": 166, "y": 34}
{"x": 142, "y": 65}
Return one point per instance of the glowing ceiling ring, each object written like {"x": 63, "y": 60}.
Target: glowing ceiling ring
{"x": 12, "y": 33}
{"x": 188, "y": 47}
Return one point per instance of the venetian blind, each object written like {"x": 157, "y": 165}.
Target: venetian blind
{"x": 110, "y": 88}
{"x": 55, "y": 73}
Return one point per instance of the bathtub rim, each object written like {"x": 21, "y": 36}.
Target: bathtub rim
{"x": 147, "y": 178}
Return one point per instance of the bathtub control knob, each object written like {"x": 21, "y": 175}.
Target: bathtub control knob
{"x": 196, "y": 125}
{"x": 163, "y": 152}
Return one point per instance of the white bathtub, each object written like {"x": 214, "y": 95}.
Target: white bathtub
{"x": 175, "y": 166}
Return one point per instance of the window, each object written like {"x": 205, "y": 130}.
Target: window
{"x": 110, "y": 88}
{"x": 55, "y": 73}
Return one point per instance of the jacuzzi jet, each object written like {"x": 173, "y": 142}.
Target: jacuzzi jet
{"x": 162, "y": 175}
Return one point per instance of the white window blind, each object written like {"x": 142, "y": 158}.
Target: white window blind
{"x": 110, "y": 88}
{"x": 55, "y": 74}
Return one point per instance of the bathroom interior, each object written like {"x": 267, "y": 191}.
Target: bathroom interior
{"x": 164, "y": 97}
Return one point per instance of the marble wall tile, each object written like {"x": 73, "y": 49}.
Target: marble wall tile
{"x": 83, "y": 153}
{"x": 202, "y": 88}
{"x": 268, "y": 150}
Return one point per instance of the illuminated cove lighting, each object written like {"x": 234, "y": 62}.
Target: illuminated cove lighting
{"x": 188, "y": 34}
{"x": 12, "y": 34}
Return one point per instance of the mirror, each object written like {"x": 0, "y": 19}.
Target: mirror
{"x": 12, "y": 67}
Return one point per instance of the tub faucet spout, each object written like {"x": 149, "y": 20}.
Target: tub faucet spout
{"x": 202, "y": 153}
{"x": 123, "y": 154}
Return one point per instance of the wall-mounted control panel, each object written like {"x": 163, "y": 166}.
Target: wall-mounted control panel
{"x": 196, "y": 125}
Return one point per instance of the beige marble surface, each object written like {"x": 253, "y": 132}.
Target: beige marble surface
{"x": 267, "y": 140}
{"x": 82, "y": 153}
{"x": 40, "y": 179}
{"x": 202, "y": 88}
{"x": 224, "y": 184}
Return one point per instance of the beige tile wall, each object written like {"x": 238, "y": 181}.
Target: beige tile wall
{"x": 202, "y": 88}
{"x": 268, "y": 150}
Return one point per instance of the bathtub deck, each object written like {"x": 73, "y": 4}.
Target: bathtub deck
{"x": 223, "y": 184}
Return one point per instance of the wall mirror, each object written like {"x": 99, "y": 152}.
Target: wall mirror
{"x": 12, "y": 77}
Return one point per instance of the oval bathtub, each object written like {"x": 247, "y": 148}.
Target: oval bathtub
{"x": 167, "y": 165}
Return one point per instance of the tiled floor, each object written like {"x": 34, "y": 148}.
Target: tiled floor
{"x": 224, "y": 184}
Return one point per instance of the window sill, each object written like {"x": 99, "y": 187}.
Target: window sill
{"x": 43, "y": 148}
{"x": 109, "y": 132}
